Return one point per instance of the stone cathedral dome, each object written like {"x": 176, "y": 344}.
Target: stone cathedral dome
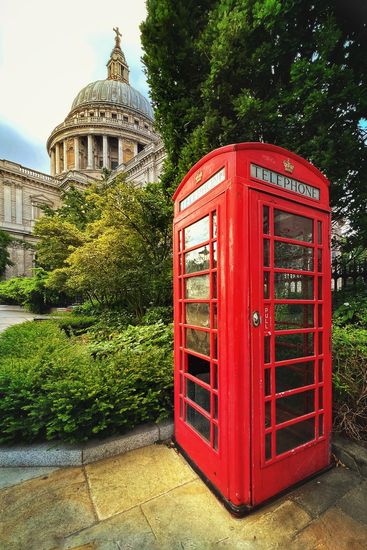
{"x": 109, "y": 124}
{"x": 115, "y": 92}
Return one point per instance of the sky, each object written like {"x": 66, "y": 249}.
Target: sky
{"x": 50, "y": 50}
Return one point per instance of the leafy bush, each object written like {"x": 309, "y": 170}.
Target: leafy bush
{"x": 350, "y": 381}
{"x": 74, "y": 324}
{"x": 30, "y": 292}
{"x": 159, "y": 313}
{"x": 53, "y": 389}
{"x": 352, "y": 312}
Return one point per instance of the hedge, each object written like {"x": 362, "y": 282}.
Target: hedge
{"x": 52, "y": 388}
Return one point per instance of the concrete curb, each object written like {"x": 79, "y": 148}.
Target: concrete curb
{"x": 353, "y": 455}
{"x": 52, "y": 454}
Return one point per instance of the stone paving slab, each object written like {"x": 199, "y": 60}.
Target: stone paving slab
{"x": 118, "y": 484}
{"x": 150, "y": 499}
{"x": 37, "y": 513}
{"x": 14, "y": 476}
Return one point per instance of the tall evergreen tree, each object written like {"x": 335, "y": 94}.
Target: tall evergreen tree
{"x": 288, "y": 72}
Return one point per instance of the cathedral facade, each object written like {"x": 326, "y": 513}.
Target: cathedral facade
{"x": 110, "y": 126}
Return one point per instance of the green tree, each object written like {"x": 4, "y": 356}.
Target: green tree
{"x": 287, "y": 72}
{"x": 5, "y": 242}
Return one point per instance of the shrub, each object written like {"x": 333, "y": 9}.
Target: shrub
{"x": 51, "y": 388}
{"x": 30, "y": 292}
{"x": 352, "y": 312}
{"x": 350, "y": 381}
{"x": 74, "y": 324}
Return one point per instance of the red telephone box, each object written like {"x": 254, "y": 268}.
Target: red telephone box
{"x": 252, "y": 321}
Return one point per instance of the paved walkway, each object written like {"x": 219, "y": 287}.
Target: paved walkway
{"x": 12, "y": 315}
{"x": 151, "y": 499}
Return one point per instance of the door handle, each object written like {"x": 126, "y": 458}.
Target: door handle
{"x": 256, "y": 319}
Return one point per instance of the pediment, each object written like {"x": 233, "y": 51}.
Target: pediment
{"x": 41, "y": 199}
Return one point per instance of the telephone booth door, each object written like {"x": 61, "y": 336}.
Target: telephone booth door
{"x": 290, "y": 305}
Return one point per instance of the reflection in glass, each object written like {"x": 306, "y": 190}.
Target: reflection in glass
{"x": 215, "y": 316}
{"x": 320, "y": 350}
{"x": 290, "y": 286}
{"x": 321, "y": 425}
{"x": 293, "y": 256}
{"x": 215, "y": 346}
{"x": 198, "y": 422}
{"x": 267, "y": 414}
{"x": 267, "y": 387}
{"x": 215, "y": 376}
{"x": 198, "y": 340}
{"x": 321, "y": 370}
{"x": 214, "y": 225}
{"x": 320, "y": 315}
{"x": 198, "y": 394}
{"x": 319, "y": 285}
{"x": 292, "y": 226}
{"x": 268, "y": 447}
{"x": 215, "y": 406}
{"x": 319, "y": 259}
{"x": 295, "y": 435}
{"x": 266, "y": 220}
{"x": 215, "y": 437}
{"x": 197, "y": 233}
{"x": 266, "y": 349}
{"x": 319, "y": 232}
{"x": 295, "y": 405}
{"x": 197, "y": 260}
{"x": 198, "y": 315}
{"x": 321, "y": 398}
{"x": 214, "y": 284}
{"x": 292, "y": 346}
{"x": 197, "y": 287}
{"x": 266, "y": 284}
{"x": 214, "y": 254}
{"x": 294, "y": 376}
{"x": 266, "y": 253}
{"x": 288, "y": 316}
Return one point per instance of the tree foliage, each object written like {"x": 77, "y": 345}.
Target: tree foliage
{"x": 5, "y": 242}
{"x": 111, "y": 245}
{"x": 287, "y": 72}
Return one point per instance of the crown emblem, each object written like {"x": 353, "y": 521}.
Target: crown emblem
{"x": 288, "y": 166}
{"x": 198, "y": 177}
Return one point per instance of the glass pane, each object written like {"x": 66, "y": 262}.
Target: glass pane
{"x": 268, "y": 447}
{"x": 198, "y": 422}
{"x": 198, "y": 341}
{"x": 266, "y": 220}
{"x": 214, "y": 225}
{"x": 289, "y": 286}
{"x": 267, "y": 387}
{"x": 319, "y": 232}
{"x": 321, "y": 370}
{"x": 267, "y": 414}
{"x": 321, "y": 425}
{"x": 294, "y": 376}
{"x": 200, "y": 368}
{"x": 293, "y": 226}
{"x": 215, "y": 406}
{"x": 320, "y": 343}
{"x": 266, "y": 252}
{"x": 319, "y": 259}
{"x": 293, "y": 256}
{"x": 198, "y": 314}
{"x": 197, "y": 287}
{"x": 197, "y": 260}
{"x": 319, "y": 284}
{"x": 197, "y": 233}
{"x": 215, "y": 346}
{"x": 321, "y": 398}
{"x": 215, "y": 437}
{"x": 215, "y": 376}
{"x": 266, "y": 349}
{"x": 292, "y": 406}
{"x": 199, "y": 395}
{"x": 288, "y": 316}
{"x": 214, "y": 284}
{"x": 295, "y": 435}
{"x": 215, "y": 316}
{"x": 291, "y": 346}
{"x": 214, "y": 254}
{"x": 266, "y": 284}
{"x": 320, "y": 315}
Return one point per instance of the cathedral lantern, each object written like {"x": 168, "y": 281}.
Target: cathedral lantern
{"x": 252, "y": 321}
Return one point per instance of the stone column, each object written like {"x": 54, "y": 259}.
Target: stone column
{"x": 135, "y": 148}
{"x": 76, "y": 153}
{"x": 57, "y": 158}
{"x": 90, "y": 153}
{"x": 18, "y": 204}
{"x": 105, "y": 157}
{"x": 120, "y": 151}
{"x": 7, "y": 202}
{"x": 65, "y": 156}
{"x": 53, "y": 161}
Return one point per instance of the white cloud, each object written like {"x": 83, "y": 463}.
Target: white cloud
{"x": 49, "y": 50}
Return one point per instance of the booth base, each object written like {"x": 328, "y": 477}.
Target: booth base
{"x": 245, "y": 509}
